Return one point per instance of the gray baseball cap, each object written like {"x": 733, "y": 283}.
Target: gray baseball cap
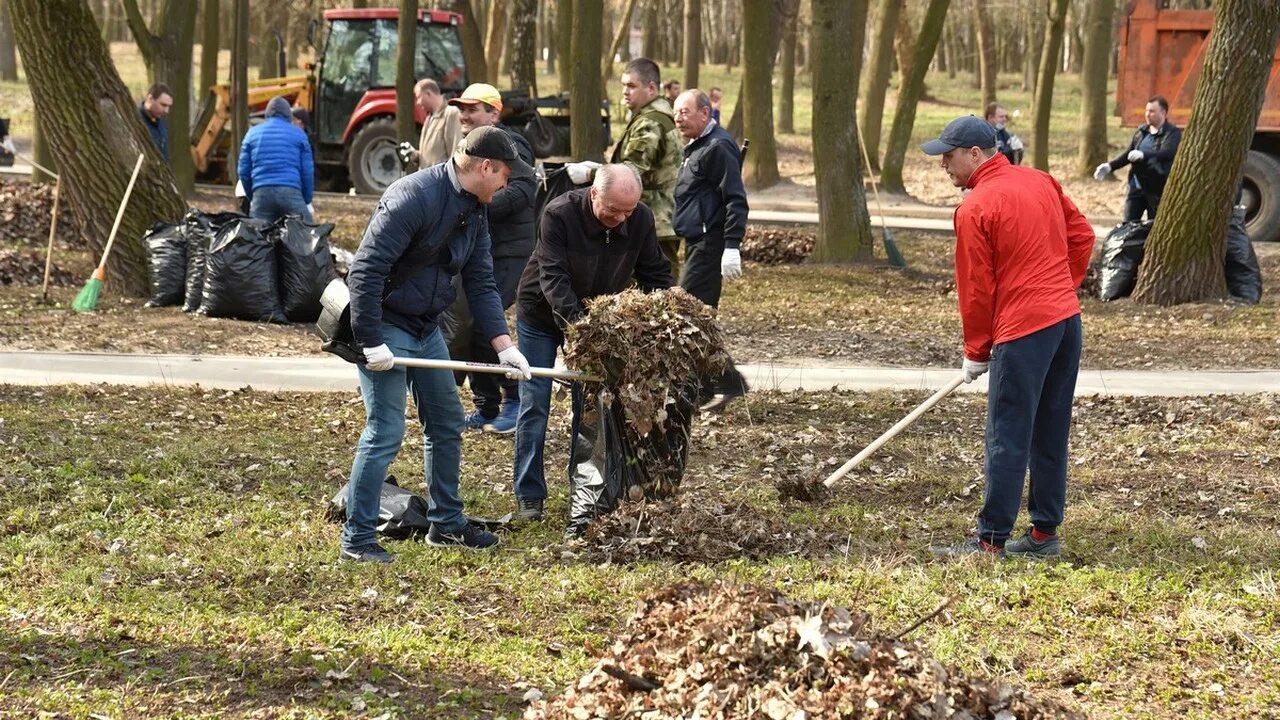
{"x": 492, "y": 143}
{"x": 963, "y": 132}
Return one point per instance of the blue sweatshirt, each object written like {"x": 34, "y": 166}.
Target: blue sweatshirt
{"x": 275, "y": 153}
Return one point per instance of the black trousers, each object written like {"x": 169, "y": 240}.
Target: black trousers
{"x": 1139, "y": 201}
{"x": 700, "y": 277}
{"x": 466, "y": 344}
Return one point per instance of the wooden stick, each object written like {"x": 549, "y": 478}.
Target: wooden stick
{"x": 458, "y": 365}
{"x": 53, "y": 230}
{"x": 893, "y": 431}
{"x": 38, "y": 166}
{"x": 111, "y": 239}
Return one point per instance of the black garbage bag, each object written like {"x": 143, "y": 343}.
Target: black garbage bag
{"x": 305, "y": 264}
{"x": 401, "y": 514}
{"x": 166, "y": 246}
{"x": 553, "y": 185}
{"x": 611, "y": 463}
{"x": 240, "y": 274}
{"x": 1244, "y": 276}
{"x": 1122, "y": 252}
{"x": 200, "y": 228}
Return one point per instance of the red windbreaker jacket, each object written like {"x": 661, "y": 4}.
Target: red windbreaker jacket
{"x": 1022, "y": 248}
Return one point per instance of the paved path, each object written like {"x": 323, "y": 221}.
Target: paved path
{"x": 324, "y": 373}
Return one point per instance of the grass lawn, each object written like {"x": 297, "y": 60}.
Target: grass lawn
{"x": 165, "y": 555}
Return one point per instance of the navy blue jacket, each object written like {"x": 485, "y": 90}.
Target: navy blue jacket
{"x": 420, "y": 216}
{"x": 276, "y": 153}
{"x": 710, "y": 198}
{"x": 1153, "y": 170}
{"x": 159, "y": 130}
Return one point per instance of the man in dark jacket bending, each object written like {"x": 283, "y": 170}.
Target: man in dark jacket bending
{"x": 594, "y": 242}
{"x": 428, "y": 227}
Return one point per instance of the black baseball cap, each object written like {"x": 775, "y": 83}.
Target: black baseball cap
{"x": 492, "y": 143}
{"x": 963, "y": 132}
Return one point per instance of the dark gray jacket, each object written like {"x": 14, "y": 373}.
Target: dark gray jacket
{"x": 424, "y": 231}
{"x": 511, "y": 222}
{"x": 710, "y": 198}
{"x": 1153, "y": 170}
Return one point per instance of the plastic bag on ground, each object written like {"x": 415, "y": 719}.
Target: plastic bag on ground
{"x": 240, "y": 274}
{"x": 1122, "y": 252}
{"x": 200, "y": 228}
{"x": 1244, "y": 276}
{"x": 305, "y": 265}
{"x": 166, "y": 246}
{"x": 401, "y": 514}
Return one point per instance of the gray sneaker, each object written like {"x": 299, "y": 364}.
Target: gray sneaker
{"x": 1028, "y": 547}
{"x": 969, "y": 548}
{"x": 374, "y": 553}
{"x": 529, "y": 510}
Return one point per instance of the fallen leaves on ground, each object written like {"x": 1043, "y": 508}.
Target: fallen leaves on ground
{"x": 20, "y": 267}
{"x": 25, "y": 210}
{"x": 769, "y": 245}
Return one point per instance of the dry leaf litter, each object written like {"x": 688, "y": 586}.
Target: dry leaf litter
{"x": 23, "y": 267}
{"x": 25, "y": 210}
{"x": 777, "y": 246}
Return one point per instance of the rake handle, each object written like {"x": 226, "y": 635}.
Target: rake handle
{"x": 53, "y": 231}
{"x": 892, "y": 432}
{"x": 100, "y": 273}
{"x": 459, "y": 365}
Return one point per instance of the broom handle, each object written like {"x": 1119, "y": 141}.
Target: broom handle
{"x": 490, "y": 368}
{"x": 874, "y": 187}
{"x": 38, "y": 166}
{"x": 892, "y": 432}
{"x": 120, "y": 213}
{"x": 53, "y": 230}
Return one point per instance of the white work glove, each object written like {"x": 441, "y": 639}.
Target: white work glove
{"x": 1102, "y": 171}
{"x": 311, "y": 210}
{"x": 239, "y": 191}
{"x": 514, "y": 359}
{"x": 379, "y": 358}
{"x": 974, "y": 369}
{"x": 580, "y": 172}
{"x": 731, "y": 264}
{"x": 1135, "y": 155}
{"x": 1015, "y": 143}
{"x": 8, "y": 145}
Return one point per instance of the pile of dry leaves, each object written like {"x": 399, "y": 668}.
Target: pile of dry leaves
{"x": 20, "y": 267}
{"x": 776, "y": 246}
{"x": 733, "y": 652}
{"x": 25, "y": 210}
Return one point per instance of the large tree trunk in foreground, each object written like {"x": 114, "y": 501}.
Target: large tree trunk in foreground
{"x": 761, "y": 169}
{"x": 844, "y": 225}
{"x": 1093, "y": 81}
{"x": 904, "y": 116}
{"x": 876, "y": 83}
{"x": 1049, "y": 61}
{"x": 167, "y": 52}
{"x": 1185, "y": 252}
{"x": 92, "y": 126}
{"x": 586, "y": 138}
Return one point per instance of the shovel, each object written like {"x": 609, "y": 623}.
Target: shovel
{"x": 460, "y": 366}
{"x": 892, "y": 432}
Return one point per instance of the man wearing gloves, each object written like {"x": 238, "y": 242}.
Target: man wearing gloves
{"x": 276, "y": 167}
{"x": 1022, "y": 248}
{"x": 1150, "y": 154}
{"x": 711, "y": 216}
{"x": 428, "y": 227}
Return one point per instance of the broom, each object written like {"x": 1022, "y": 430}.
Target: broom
{"x": 891, "y": 251}
{"x": 87, "y": 299}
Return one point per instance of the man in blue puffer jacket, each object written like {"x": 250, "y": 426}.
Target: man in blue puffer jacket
{"x": 428, "y": 227}
{"x": 276, "y": 167}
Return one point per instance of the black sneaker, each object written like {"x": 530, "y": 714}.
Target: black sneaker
{"x": 529, "y": 510}
{"x": 374, "y": 553}
{"x": 470, "y": 537}
{"x": 969, "y": 548}
{"x": 1028, "y": 547}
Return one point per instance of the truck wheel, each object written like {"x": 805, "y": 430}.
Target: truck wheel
{"x": 372, "y": 162}
{"x": 1262, "y": 196}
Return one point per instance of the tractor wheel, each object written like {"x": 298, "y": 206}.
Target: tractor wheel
{"x": 1262, "y": 196}
{"x": 372, "y": 162}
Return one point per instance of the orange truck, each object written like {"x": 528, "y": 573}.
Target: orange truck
{"x": 1162, "y": 53}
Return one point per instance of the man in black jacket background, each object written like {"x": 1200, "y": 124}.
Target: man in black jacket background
{"x": 711, "y": 216}
{"x": 594, "y": 241}
{"x": 1151, "y": 154}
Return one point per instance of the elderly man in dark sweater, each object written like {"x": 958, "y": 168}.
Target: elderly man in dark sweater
{"x": 594, "y": 241}
{"x": 428, "y": 227}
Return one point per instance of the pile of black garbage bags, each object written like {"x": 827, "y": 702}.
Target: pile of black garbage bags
{"x": 229, "y": 265}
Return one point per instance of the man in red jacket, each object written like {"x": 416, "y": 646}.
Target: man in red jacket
{"x": 1022, "y": 248}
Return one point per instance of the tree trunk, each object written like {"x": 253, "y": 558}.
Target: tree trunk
{"x": 876, "y": 84}
{"x": 1093, "y": 81}
{"x": 986, "y": 51}
{"x": 906, "y": 42}
{"x": 1044, "y": 86}
{"x": 359, "y": 4}
{"x": 761, "y": 169}
{"x": 619, "y": 37}
{"x": 167, "y": 53}
{"x": 1185, "y": 251}
{"x": 41, "y": 153}
{"x": 564, "y": 40}
{"x": 787, "y": 92}
{"x": 549, "y": 39}
{"x": 844, "y": 225}
{"x": 496, "y": 30}
{"x": 270, "y": 36}
{"x": 781, "y": 9}
{"x": 472, "y": 42}
{"x": 94, "y": 132}
{"x": 587, "y": 140}
{"x": 239, "y": 81}
{"x": 208, "y": 49}
{"x": 406, "y": 46}
{"x": 652, "y": 30}
{"x": 904, "y": 116}
{"x": 1034, "y": 32}
{"x": 8, "y": 53}
{"x": 524, "y": 45}
{"x": 693, "y": 42}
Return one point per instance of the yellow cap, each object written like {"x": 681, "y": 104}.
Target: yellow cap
{"x": 479, "y": 92}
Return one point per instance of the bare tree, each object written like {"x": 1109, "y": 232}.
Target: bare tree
{"x": 904, "y": 116}
{"x": 496, "y": 30}
{"x": 472, "y": 42}
{"x": 586, "y": 139}
{"x": 524, "y": 45}
{"x": 167, "y": 53}
{"x": 1185, "y": 252}
{"x": 239, "y": 81}
{"x": 1093, "y": 81}
{"x": 208, "y": 48}
{"x": 986, "y": 51}
{"x": 1049, "y": 61}
{"x": 8, "y": 52}
{"x": 564, "y": 40}
{"x": 787, "y": 92}
{"x": 876, "y": 83}
{"x": 761, "y": 169}
{"x": 619, "y": 37}
{"x": 406, "y": 47}
{"x": 692, "y": 41}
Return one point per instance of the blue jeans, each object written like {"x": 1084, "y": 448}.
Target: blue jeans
{"x": 1032, "y": 383}
{"x": 274, "y": 202}
{"x": 539, "y": 347}
{"x": 439, "y": 411}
